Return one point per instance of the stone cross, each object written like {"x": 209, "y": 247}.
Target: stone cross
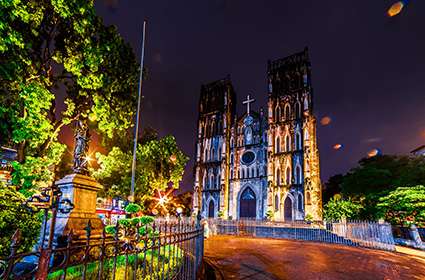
{"x": 247, "y": 102}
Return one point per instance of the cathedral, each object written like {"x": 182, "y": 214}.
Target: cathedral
{"x": 260, "y": 164}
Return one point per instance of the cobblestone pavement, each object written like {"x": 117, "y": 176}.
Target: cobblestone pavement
{"x": 258, "y": 258}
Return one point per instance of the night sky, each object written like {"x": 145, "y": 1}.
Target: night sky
{"x": 368, "y": 70}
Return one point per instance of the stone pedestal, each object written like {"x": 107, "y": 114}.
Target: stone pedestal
{"x": 81, "y": 190}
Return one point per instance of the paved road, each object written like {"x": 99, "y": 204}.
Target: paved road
{"x": 258, "y": 258}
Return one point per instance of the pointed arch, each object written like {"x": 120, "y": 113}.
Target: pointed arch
{"x": 288, "y": 175}
{"x": 300, "y": 202}
{"x": 277, "y": 113}
{"x": 287, "y": 112}
{"x": 277, "y": 145}
{"x": 308, "y": 198}
{"x": 287, "y": 143}
{"x": 298, "y": 174}
{"x": 298, "y": 140}
{"x": 278, "y": 180}
{"x": 297, "y": 110}
{"x": 276, "y": 202}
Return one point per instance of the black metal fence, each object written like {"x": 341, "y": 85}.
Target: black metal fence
{"x": 352, "y": 233}
{"x": 157, "y": 250}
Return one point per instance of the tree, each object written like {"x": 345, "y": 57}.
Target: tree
{"x": 376, "y": 177}
{"x": 14, "y": 216}
{"x": 59, "y": 63}
{"x": 404, "y": 206}
{"x": 332, "y": 187}
{"x": 160, "y": 165}
{"x": 337, "y": 209}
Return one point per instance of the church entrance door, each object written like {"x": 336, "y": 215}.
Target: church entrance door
{"x": 211, "y": 209}
{"x": 248, "y": 205}
{"x": 288, "y": 209}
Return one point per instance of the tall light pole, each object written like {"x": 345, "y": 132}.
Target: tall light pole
{"x": 136, "y": 133}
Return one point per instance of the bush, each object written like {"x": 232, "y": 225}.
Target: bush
{"x": 110, "y": 229}
{"x": 404, "y": 206}
{"x": 147, "y": 220}
{"x": 132, "y": 208}
{"x": 337, "y": 209}
{"x": 125, "y": 222}
{"x": 13, "y": 216}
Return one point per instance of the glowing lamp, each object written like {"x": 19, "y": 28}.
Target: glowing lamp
{"x": 179, "y": 210}
{"x": 337, "y": 146}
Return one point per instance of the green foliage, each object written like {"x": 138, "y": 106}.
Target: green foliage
{"x": 269, "y": 214}
{"x": 132, "y": 208}
{"x": 50, "y": 45}
{"x": 337, "y": 209}
{"x": 404, "y": 206}
{"x": 220, "y": 214}
{"x": 14, "y": 216}
{"x": 159, "y": 163}
{"x": 125, "y": 222}
{"x": 308, "y": 218}
{"x": 111, "y": 229}
{"x": 374, "y": 178}
{"x": 146, "y": 220}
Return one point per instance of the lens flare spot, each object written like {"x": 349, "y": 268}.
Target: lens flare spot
{"x": 325, "y": 121}
{"x": 337, "y": 146}
{"x": 396, "y": 8}
{"x": 374, "y": 153}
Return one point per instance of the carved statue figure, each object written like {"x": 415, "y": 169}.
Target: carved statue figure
{"x": 82, "y": 138}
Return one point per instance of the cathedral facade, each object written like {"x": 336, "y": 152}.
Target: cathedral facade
{"x": 262, "y": 163}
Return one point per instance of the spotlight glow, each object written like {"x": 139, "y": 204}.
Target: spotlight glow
{"x": 337, "y": 146}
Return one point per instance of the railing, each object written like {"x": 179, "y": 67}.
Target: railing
{"x": 159, "y": 250}
{"x": 352, "y": 233}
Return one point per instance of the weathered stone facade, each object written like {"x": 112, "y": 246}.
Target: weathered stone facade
{"x": 261, "y": 162}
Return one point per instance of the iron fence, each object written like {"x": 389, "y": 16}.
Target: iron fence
{"x": 159, "y": 250}
{"x": 352, "y": 233}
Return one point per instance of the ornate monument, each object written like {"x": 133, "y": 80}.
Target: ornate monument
{"x": 80, "y": 189}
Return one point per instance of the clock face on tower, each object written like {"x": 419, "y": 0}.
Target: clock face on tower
{"x": 248, "y": 157}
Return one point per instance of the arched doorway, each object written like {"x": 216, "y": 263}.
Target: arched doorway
{"x": 248, "y": 205}
{"x": 211, "y": 209}
{"x": 288, "y": 209}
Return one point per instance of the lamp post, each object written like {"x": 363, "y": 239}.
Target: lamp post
{"x": 133, "y": 166}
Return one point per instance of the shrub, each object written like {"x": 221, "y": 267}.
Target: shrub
{"x": 147, "y": 220}
{"x": 110, "y": 229}
{"x": 404, "y": 206}
{"x": 132, "y": 208}
{"x": 337, "y": 209}
{"x": 13, "y": 216}
{"x": 125, "y": 222}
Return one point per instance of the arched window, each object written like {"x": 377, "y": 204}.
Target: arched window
{"x": 276, "y": 203}
{"x": 231, "y": 159}
{"x": 243, "y": 173}
{"x": 277, "y": 148}
{"x": 306, "y": 135}
{"x": 298, "y": 172}
{"x": 298, "y": 141}
{"x": 219, "y": 153}
{"x": 212, "y": 154}
{"x": 277, "y": 114}
{"x": 206, "y": 155}
{"x": 231, "y": 142}
{"x": 288, "y": 143}
{"x": 297, "y": 110}
{"x": 287, "y": 112}
{"x": 249, "y": 172}
{"x": 300, "y": 202}
{"x": 278, "y": 177}
{"x": 305, "y": 103}
{"x": 308, "y": 198}
{"x": 288, "y": 176}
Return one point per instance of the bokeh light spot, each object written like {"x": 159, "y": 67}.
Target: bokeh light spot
{"x": 337, "y": 146}
{"x": 325, "y": 121}
{"x": 396, "y": 8}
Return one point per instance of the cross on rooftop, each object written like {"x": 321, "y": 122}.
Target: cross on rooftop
{"x": 247, "y": 102}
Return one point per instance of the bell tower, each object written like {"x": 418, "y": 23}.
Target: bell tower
{"x": 293, "y": 158}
